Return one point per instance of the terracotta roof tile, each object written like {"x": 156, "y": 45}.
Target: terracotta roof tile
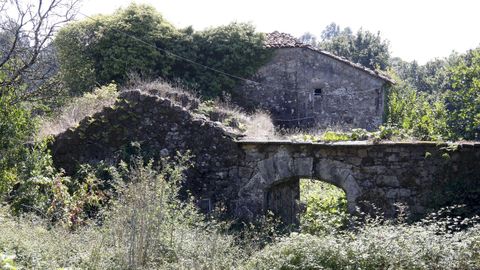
{"x": 284, "y": 40}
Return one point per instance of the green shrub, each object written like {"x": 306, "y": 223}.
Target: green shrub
{"x": 332, "y": 136}
{"x": 45, "y": 191}
{"x": 16, "y": 128}
{"x": 98, "y": 50}
{"x": 7, "y": 262}
{"x": 377, "y": 246}
{"x": 418, "y": 115}
{"x": 326, "y": 207}
{"x": 463, "y": 101}
{"x": 146, "y": 227}
{"x": 112, "y": 47}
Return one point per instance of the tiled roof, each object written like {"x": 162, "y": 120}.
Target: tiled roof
{"x": 284, "y": 40}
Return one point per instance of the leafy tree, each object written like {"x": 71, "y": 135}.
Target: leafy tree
{"x": 27, "y": 59}
{"x": 234, "y": 49}
{"x": 418, "y": 114}
{"x": 364, "y": 47}
{"x": 431, "y": 77}
{"x": 308, "y": 38}
{"x": 463, "y": 100}
{"x": 107, "y": 48}
{"x": 331, "y": 31}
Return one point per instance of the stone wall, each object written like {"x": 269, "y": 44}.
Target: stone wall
{"x": 382, "y": 174}
{"x": 162, "y": 127}
{"x": 320, "y": 91}
{"x": 250, "y": 177}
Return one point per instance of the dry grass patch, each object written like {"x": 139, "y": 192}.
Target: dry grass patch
{"x": 79, "y": 108}
{"x": 255, "y": 126}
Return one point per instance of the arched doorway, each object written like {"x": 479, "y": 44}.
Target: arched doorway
{"x": 289, "y": 199}
{"x": 282, "y": 199}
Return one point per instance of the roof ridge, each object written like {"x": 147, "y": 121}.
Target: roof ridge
{"x": 278, "y": 39}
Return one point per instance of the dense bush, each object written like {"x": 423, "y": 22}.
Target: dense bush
{"x": 109, "y": 48}
{"x": 463, "y": 100}
{"x": 147, "y": 227}
{"x": 100, "y": 50}
{"x": 387, "y": 246}
{"x": 16, "y": 128}
{"x": 452, "y": 108}
{"x": 326, "y": 207}
{"x": 417, "y": 114}
{"x": 235, "y": 49}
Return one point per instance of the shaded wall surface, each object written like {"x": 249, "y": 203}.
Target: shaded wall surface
{"x": 162, "y": 128}
{"x": 383, "y": 174}
{"x": 303, "y": 88}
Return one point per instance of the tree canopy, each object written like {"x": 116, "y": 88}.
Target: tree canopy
{"x": 463, "y": 100}
{"x": 364, "y": 47}
{"x": 139, "y": 40}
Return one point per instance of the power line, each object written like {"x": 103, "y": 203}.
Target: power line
{"x": 223, "y": 72}
{"x": 176, "y": 55}
{"x": 205, "y": 66}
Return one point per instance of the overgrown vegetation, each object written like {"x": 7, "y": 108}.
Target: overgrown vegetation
{"x": 139, "y": 40}
{"x": 15, "y": 130}
{"x": 325, "y": 207}
{"x": 375, "y": 246}
{"x": 148, "y": 227}
{"x": 130, "y": 216}
{"x": 78, "y": 109}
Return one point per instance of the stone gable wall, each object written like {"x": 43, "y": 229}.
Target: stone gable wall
{"x": 346, "y": 96}
{"x": 162, "y": 128}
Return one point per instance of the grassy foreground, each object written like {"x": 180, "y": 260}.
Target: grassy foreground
{"x": 147, "y": 227}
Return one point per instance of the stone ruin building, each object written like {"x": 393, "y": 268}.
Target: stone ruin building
{"x": 248, "y": 178}
{"x": 302, "y": 86}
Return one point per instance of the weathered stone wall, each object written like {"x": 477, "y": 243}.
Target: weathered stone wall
{"x": 251, "y": 177}
{"x": 299, "y": 83}
{"x": 382, "y": 174}
{"x": 162, "y": 127}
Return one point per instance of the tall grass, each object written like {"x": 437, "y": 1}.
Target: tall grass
{"x": 147, "y": 227}
{"x": 254, "y": 126}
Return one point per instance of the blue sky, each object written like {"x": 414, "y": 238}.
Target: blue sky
{"x": 416, "y": 29}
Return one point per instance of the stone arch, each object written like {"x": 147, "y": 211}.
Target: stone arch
{"x": 283, "y": 198}
{"x": 274, "y": 182}
{"x": 339, "y": 174}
